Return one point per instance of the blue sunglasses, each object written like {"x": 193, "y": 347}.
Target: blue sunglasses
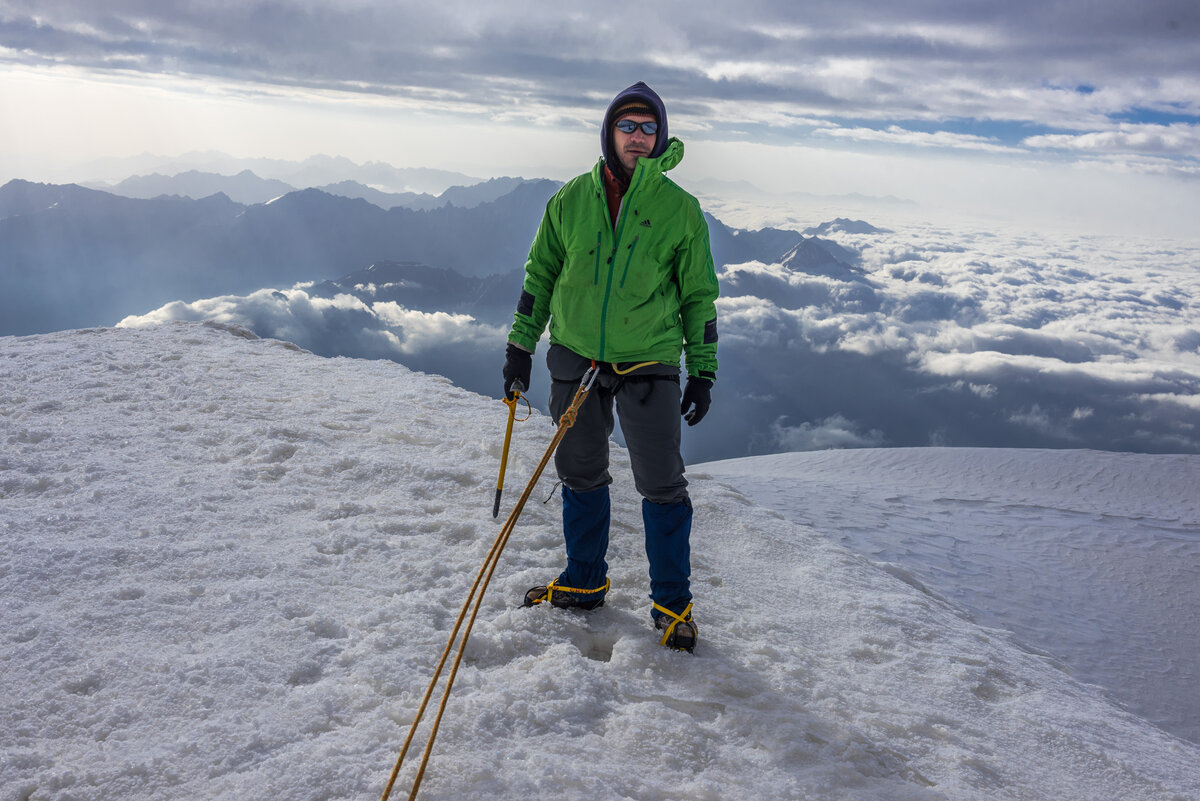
{"x": 629, "y": 126}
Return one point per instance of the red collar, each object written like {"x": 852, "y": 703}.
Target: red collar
{"x": 614, "y": 190}
{"x": 613, "y": 182}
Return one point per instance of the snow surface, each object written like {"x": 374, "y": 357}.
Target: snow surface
{"x": 1091, "y": 557}
{"x": 230, "y": 567}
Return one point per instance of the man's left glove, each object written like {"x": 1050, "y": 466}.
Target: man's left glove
{"x": 697, "y": 396}
{"x": 518, "y": 363}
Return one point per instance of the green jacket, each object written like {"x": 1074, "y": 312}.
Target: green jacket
{"x": 645, "y": 291}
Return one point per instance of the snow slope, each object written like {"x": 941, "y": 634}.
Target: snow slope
{"x": 1088, "y": 556}
{"x": 229, "y": 567}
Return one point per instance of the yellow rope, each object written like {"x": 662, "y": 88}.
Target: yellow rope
{"x": 629, "y": 370}
{"x": 474, "y": 600}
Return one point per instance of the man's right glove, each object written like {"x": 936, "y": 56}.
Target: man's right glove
{"x": 698, "y": 395}
{"x": 518, "y": 363}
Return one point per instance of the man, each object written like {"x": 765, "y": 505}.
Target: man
{"x": 621, "y": 270}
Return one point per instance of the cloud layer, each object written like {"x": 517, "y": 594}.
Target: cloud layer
{"x": 975, "y": 338}
{"x": 344, "y": 325}
{"x": 1103, "y": 78}
{"x": 913, "y": 337}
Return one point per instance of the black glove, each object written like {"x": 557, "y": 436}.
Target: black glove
{"x": 517, "y": 364}
{"x": 698, "y": 394}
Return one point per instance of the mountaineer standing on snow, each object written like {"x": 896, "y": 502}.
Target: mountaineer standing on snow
{"x": 621, "y": 270}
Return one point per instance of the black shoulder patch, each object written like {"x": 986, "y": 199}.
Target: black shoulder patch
{"x": 710, "y": 331}
{"x": 525, "y": 304}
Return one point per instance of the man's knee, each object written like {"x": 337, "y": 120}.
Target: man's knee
{"x": 658, "y": 475}
{"x": 666, "y": 495}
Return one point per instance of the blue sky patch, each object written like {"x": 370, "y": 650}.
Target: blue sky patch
{"x": 1146, "y": 116}
{"x": 1005, "y": 132}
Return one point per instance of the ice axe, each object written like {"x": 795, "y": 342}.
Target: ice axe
{"x": 474, "y": 599}
{"x": 511, "y": 403}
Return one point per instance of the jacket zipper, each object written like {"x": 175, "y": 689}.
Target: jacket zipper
{"x": 621, "y": 216}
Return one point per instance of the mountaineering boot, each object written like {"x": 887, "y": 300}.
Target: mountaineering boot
{"x": 680, "y": 631}
{"x": 566, "y": 597}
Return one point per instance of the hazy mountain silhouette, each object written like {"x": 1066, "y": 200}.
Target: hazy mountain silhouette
{"x": 384, "y": 200}
{"x": 468, "y": 197}
{"x": 248, "y": 188}
{"x": 846, "y": 226}
{"x": 315, "y": 171}
{"x": 734, "y": 246}
{"x": 72, "y": 257}
{"x": 244, "y": 187}
{"x": 75, "y": 257}
{"x": 18, "y": 198}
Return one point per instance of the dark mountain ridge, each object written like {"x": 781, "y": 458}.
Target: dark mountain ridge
{"x": 75, "y": 257}
{"x": 244, "y": 187}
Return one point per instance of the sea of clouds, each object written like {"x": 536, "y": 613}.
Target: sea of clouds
{"x": 912, "y": 334}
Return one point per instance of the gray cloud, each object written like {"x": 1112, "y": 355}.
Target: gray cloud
{"x": 1176, "y": 139}
{"x": 1066, "y": 69}
{"x": 832, "y": 432}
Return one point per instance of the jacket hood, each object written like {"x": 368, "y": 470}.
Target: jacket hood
{"x": 642, "y": 92}
{"x": 669, "y": 160}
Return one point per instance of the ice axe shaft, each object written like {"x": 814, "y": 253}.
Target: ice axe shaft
{"x": 474, "y": 600}
{"x": 511, "y": 403}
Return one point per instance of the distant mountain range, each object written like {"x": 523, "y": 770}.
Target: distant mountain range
{"x": 245, "y": 187}
{"x": 76, "y": 257}
{"x": 248, "y": 188}
{"x": 314, "y": 171}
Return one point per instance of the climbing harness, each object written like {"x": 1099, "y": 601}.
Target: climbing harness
{"x": 512, "y": 414}
{"x": 685, "y": 617}
{"x": 474, "y": 599}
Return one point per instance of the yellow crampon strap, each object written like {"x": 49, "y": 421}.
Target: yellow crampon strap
{"x": 686, "y": 617}
{"x": 554, "y": 586}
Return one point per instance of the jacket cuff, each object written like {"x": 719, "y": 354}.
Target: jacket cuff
{"x": 523, "y": 342}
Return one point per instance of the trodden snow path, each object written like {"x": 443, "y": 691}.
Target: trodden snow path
{"x": 229, "y": 567}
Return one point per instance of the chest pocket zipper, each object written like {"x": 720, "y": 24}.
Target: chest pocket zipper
{"x": 596, "y": 277}
{"x": 628, "y": 259}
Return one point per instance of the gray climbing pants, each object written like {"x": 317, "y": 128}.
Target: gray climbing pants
{"x": 647, "y": 403}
